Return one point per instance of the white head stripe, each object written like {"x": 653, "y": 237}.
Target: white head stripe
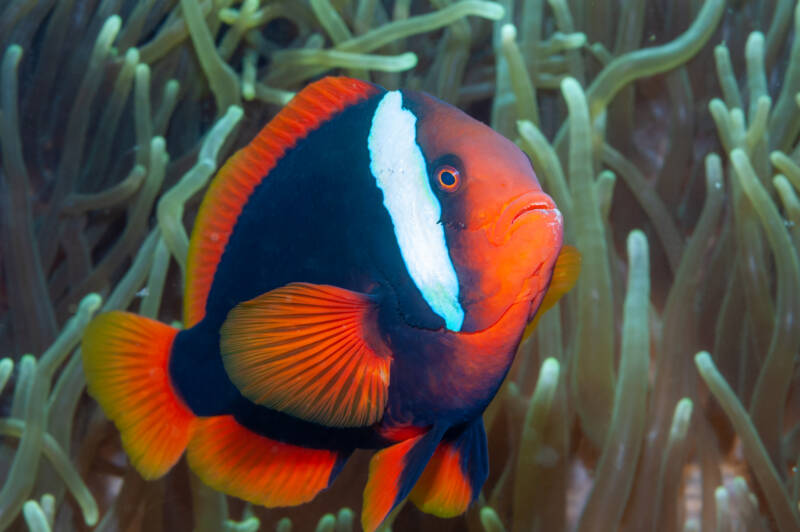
{"x": 400, "y": 171}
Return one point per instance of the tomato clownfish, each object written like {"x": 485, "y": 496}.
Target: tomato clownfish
{"x": 359, "y": 276}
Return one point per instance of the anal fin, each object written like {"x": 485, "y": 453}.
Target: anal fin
{"x": 392, "y": 474}
{"x": 231, "y": 458}
{"x": 455, "y": 474}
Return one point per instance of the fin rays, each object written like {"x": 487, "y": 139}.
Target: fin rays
{"x": 455, "y": 474}
{"x": 310, "y": 351}
{"x": 230, "y": 458}
{"x": 236, "y": 180}
{"x": 125, "y": 359}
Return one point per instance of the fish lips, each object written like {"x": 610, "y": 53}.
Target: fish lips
{"x": 531, "y": 207}
{"x": 533, "y": 225}
{"x": 510, "y": 259}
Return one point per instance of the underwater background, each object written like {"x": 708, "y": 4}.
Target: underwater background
{"x": 662, "y": 394}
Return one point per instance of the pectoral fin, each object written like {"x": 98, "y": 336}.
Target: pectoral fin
{"x": 565, "y": 275}
{"x": 309, "y": 350}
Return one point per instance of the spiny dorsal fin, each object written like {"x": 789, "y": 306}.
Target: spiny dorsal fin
{"x": 236, "y": 180}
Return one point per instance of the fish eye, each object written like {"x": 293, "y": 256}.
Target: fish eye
{"x": 448, "y": 178}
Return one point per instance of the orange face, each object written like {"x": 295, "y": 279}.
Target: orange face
{"x": 503, "y": 232}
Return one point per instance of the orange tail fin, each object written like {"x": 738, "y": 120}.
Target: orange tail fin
{"x": 125, "y": 358}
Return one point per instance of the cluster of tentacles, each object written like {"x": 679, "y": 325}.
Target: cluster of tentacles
{"x": 662, "y": 394}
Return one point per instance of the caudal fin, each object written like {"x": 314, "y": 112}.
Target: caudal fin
{"x": 125, "y": 358}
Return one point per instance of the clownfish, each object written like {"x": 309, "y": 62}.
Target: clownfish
{"x": 359, "y": 277}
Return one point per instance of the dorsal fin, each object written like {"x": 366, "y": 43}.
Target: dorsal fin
{"x": 236, "y": 180}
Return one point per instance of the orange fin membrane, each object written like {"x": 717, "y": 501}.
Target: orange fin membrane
{"x": 316, "y": 104}
{"x": 565, "y": 275}
{"x": 454, "y": 476}
{"x": 125, "y": 359}
{"x": 392, "y": 474}
{"x": 311, "y": 351}
{"x": 232, "y": 459}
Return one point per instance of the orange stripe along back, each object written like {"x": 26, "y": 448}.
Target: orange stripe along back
{"x": 236, "y": 180}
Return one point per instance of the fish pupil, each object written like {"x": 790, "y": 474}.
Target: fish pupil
{"x": 447, "y": 177}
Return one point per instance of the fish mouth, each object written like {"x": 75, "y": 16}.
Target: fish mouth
{"x": 519, "y": 209}
{"x": 535, "y": 206}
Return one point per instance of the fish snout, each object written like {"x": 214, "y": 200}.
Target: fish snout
{"x": 532, "y": 206}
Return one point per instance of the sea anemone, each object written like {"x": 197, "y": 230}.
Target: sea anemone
{"x": 663, "y": 393}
